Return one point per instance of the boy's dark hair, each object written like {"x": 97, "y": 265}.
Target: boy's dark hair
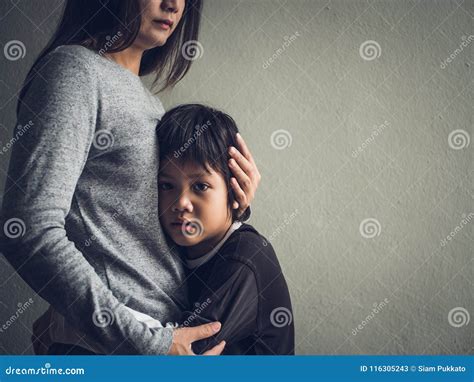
{"x": 201, "y": 135}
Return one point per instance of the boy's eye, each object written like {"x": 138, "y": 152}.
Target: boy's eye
{"x": 164, "y": 186}
{"x": 200, "y": 187}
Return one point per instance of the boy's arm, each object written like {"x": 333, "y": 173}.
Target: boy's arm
{"x": 231, "y": 297}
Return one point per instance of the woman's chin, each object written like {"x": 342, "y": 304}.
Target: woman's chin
{"x": 154, "y": 40}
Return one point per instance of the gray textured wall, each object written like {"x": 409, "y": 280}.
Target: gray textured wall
{"x": 357, "y": 113}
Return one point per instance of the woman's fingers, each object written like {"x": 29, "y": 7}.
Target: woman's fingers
{"x": 184, "y": 337}
{"x": 241, "y": 163}
{"x": 203, "y": 331}
{"x": 240, "y": 196}
{"x": 243, "y": 148}
{"x": 245, "y": 162}
{"x": 243, "y": 186}
{"x": 248, "y": 155}
{"x": 247, "y": 176}
{"x": 242, "y": 177}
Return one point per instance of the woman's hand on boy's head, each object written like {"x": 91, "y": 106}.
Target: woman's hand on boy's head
{"x": 247, "y": 176}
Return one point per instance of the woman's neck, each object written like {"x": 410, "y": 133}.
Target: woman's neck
{"x": 130, "y": 58}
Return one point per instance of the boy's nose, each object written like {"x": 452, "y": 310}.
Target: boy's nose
{"x": 183, "y": 204}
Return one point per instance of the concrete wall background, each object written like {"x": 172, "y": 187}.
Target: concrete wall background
{"x": 353, "y": 110}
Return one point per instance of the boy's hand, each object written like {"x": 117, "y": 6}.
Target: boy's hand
{"x": 247, "y": 176}
{"x": 183, "y": 339}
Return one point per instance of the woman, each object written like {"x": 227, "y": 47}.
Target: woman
{"x": 80, "y": 212}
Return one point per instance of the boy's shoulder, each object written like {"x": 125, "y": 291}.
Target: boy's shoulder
{"x": 248, "y": 246}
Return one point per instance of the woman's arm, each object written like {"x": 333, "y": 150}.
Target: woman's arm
{"x": 45, "y": 167}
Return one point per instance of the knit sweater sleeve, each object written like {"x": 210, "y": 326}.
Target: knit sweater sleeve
{"x": 57, "y": 118}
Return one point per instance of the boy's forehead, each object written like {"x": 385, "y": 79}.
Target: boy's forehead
{"x": 173, "y": 167}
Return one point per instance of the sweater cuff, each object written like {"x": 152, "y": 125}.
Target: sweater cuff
{"x": 167, "y": 340}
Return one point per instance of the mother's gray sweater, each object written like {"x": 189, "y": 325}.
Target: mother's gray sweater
{"x": 80, "y": 217}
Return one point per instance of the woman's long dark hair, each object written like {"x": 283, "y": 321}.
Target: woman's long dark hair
{"x": 91, "y": 23}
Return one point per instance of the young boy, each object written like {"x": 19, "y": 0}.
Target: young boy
{"x": 233, "y": 273}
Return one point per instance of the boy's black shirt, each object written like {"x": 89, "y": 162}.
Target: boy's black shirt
{"x": 243, "y": 287}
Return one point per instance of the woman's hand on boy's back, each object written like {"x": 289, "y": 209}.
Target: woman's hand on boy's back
{"x": 183, "y": 339}
{"x": 247, "y": 176}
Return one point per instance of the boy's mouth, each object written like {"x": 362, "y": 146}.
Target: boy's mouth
{"x": 190, "y": 228}
{"x": 180, "y": 222}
